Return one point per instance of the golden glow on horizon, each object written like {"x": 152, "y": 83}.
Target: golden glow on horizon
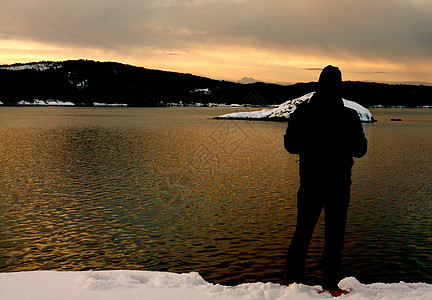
{"x": 275, "y": 41}
{"x": 228, "y": 63}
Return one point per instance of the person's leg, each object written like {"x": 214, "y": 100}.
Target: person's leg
{"x": 336, "y": 210}
{"x": 309, "y": 208}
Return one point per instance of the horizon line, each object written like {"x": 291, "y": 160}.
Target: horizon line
{"x": 414, "y": 83}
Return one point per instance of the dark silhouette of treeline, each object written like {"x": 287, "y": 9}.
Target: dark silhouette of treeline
{"x": 84, "y": 82}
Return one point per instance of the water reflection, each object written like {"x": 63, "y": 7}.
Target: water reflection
{"x": 172, "y": 190}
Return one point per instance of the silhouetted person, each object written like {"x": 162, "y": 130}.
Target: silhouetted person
{"x": 326, "y": 135}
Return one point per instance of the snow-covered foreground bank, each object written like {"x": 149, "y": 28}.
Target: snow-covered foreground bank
{"x": 164, "y": 285}
{"x": 284, "y": 110}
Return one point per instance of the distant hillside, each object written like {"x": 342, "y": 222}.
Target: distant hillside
{"x": 84, "y": 82}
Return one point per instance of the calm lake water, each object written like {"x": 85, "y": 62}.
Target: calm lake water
{"x": 171, "y": 189}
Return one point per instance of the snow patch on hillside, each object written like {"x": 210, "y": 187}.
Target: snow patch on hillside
{"x": 37, "y": 102}
{"x": 98, "y": 104}
{"x": 40, "y": 66}
{"x": 284, "y": 110}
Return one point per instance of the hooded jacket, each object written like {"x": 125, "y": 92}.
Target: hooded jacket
{"x": 326, "y": 135}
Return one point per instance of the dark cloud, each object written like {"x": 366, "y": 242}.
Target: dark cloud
{"x": 367, "y": 29}
{"x": 174, "y": 54}
{"x": 374, "y": 72}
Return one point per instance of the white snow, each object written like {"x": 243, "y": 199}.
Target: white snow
{"x": 163, "y": 285}
{"x": 285, "y": 109}
{"x": 205, "y": 91}
{"x": 257, "y": 114}
{"x": 41, "y": 66}
{"x": 81, "y": 84}
{"x": 364, "y": 114}
{"x": 1, "y": 103}
{"x": 109, "y": 104}
{"x": 37, "y": 102}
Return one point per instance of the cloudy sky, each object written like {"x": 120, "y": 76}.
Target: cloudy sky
{"x": 282, "y": 41}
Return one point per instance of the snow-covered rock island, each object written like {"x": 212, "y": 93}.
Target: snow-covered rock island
{"x": 284, "y": 110}
{"x": 123, "y": 284}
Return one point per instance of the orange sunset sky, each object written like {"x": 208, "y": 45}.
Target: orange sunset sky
{"x": 272, "y": 41}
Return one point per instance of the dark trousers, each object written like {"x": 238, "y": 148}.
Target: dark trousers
{"x": 310, "y": 203}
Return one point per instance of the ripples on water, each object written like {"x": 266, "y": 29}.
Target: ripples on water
{"x": 170, "y": 189}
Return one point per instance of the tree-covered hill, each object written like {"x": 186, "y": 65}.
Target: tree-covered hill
{"x": 84, "y": 82}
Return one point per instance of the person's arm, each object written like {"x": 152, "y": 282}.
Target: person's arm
{"x": 359, "y": 145}
{"x": 293, "y": 136}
